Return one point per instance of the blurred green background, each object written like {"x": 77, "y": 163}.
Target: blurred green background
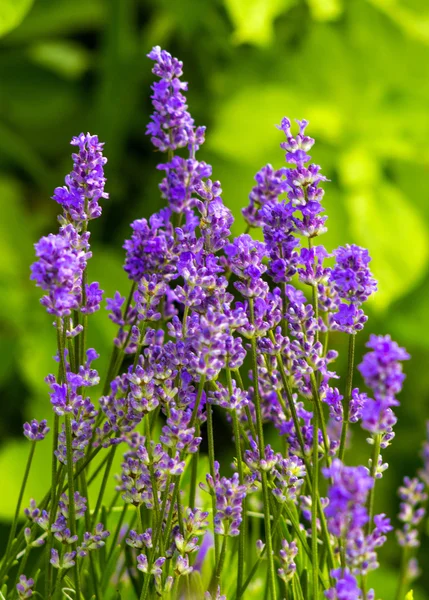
{"x": 357, "y": 69}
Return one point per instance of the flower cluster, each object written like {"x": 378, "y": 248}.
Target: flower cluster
{"x": 85, "y": 184}
{"x": 381, "y": 369}
{"x": 216, "y": 328}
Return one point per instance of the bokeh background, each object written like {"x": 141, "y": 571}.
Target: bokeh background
{"x": 357, "y": 69}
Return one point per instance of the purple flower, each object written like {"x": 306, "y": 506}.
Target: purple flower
{"x": 65, "y": 562}
{"x": 177, "y": 433}
{"x": 142, "y": 565}
{"x": 349, "y": 318}
{"x": 182, "y": 566}
{"x": 303, "y": 189}
{"x": 412, "y": 511}
{"x": 203, "y": 285}
{"x": 313, "y": 271}
{"x": 35, "y": 430}
{"x": 278, "y": 227}
{"x": 114, "y": 306}
{"x": 151, "y": 247}
{"x": 382, "y": 369}
{"x": 351, "y": 277}
{"x": 287, "y": 553}
{"x": 85, "y": 184}
{"x": 24, "y": 587}
{"x": 229, "y": 495}
{"x": 79, "y": 505}
{"x": 245, "y": 257}
{"x": 254, "y": 460}
{"x": 93, "y": 541}
{"x": 347, "y": 497}
{"x": 237, "y": 400}
{"x": 215, "y": 223}
{"x": 142, "y": 540}
{"x": 206, "y": 344}
{"x": 184, "y": 177}
{"x": 270, "y": 184}
{"x": 217, "y": 595}
{"x": 289, "y": 476}
{"x": 94, "y": 297}
{"x": 346, "y": 587}
{"x": 378, "y": 419}
{"x": 333, "y": 399}
{"x": 171, "y": 125}
{"x": 297, "y": 146}
{"x": 58, "y": 270}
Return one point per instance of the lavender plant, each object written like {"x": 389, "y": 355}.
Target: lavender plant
{"x": 211, "y": 323}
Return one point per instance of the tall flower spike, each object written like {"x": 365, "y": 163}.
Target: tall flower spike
{"x": 171, "y": 125}
{"x": 303, "y": 181}
{"x": 347, "y": 497}
{"x": 382, "y": 369}
{"x": 85, "y": 184}
{"x": 58, "y": 271}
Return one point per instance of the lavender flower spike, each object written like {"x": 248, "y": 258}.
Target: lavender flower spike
{"x": 171, "y": 125}
{"x": 85, "y": 184}
{"x": 35, "y": 430}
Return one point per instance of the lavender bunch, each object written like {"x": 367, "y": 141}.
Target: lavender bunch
{"x": 213, "y": 326}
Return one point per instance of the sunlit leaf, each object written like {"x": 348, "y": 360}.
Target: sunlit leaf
{"x": 414, "y": 23}
{"x": 12, "y": 13}
{"x": 59, "y": 17}
{"x": 385, "y": 222}
{"x": 253, "y": 19}
{"x": 325, "y": 10}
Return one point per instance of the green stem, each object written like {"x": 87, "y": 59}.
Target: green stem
{"x": 104, "y": 484}
{"x": 403, "y": 579}
{"x": 259, "y": 559}
{"x": 70, "y": 476}
{"x": 98, "y": 470}
{"x": 194, "y": 472}
{"x": 319, "y": 408}
{"x": 304, "y": 456}
{"x": 374, "y": 465}
{"x": 139, "y": 519}
{"x": 197, "y": 401}
{"x": 48, "y": 566}
{"x": 242, "y": 534}
{"x": 247, "y": 410}
{"x": 219, "y": 566}
{"x": 94, "y": 577}
{"x": 211, "y": 449}
{"x": 347, "y": 396}
{"x": 314, "y": 498}
{"x": 117, "y": 531}
{"x": 261, "y": 446}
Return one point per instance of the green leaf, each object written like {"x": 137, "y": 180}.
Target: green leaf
{"x": 66, "y": 58}
{"x": 12, "y": 13}
{"x": 383, "y": 220}
{"x": 325, "y": 10}
{"x": 253, "y": 19}
{"x": 60, "y": 17}
{"x": 415, "y": 23}
{"x": 410, "y": 595}
{"x": 13, "y": 458}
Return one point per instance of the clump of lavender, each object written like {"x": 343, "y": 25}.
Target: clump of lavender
{"x": 211, "y": 324}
